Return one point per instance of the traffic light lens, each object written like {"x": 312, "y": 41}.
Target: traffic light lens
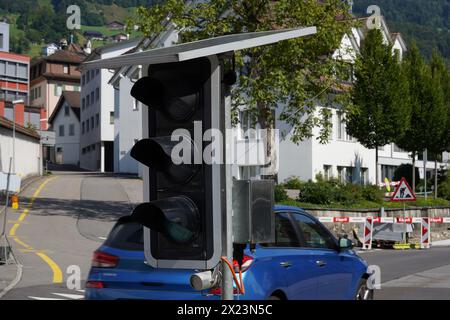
{"x": 182, "y": 108}
{"x": 156, "y": 153}
{"x": 176, "y": 217}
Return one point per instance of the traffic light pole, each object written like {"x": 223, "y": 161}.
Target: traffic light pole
{"x": 227, "y": 232}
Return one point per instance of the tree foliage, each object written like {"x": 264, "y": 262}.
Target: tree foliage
{"x": 296, "y": 74}
{"x": 379, "y": 107}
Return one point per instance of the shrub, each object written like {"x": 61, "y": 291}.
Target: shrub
{"x": 280, "y": 193}
{"x": 372, "y": 193}
{"x": 293, "y": 183}
{"x": 317, "y": 193}
{"x": 405, "y": 170}
{"x": 444, "y": 188}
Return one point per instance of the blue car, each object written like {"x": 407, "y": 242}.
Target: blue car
{"x": 305, "y": 262}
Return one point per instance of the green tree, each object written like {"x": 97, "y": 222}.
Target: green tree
{"x": 379, "y": 107}
{"x": 440, "y": 91}
{"x": 421, "y": 95}
{"x": 296, "y": 74}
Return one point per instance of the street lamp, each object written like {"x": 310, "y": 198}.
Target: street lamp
{"x": 15, "y": 102}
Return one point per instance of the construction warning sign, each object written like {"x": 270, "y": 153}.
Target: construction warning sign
{"x": 403, "y": 192}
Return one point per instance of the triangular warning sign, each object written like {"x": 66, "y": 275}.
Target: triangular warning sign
{"x": 403, "y": 192}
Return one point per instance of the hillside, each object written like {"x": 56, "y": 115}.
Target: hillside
{"x": 426, "y": 21}
{"x": 35, "y": 23}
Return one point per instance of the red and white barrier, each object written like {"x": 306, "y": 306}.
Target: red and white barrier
{"x": 368, "y": 222}
{"x": 425, "y": 234}
{"x": 368, "y": 232}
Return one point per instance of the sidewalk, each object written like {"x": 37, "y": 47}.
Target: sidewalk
{"x": 10, "y": 273}
{"x": 441, "y": 243}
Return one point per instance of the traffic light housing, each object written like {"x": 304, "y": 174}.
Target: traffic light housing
{"x": 182, "y": 213}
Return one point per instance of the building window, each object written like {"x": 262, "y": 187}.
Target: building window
{"x": 397, "y": 149}
{"x": 66, "y": 69}
{"x": 82, "y": 127}
{"x": 135, "y": 105}
{"x": 97, "y": 120}
{"x": 327, "y": 172}
{"x": 83, "y": 151}
{"x": 88, "y": 149}
{"x": 97, "y": 94}
{"x": 39, "y": 92}
{"x": 88, "y": 77}
{"x": 97, "y": 71}
{"x": 87, "y": 125}
{"x": 61, "y": 131}
{"x": 364, "y": 174}
{"x": 92, "y": 97}
{"x": 58, "y": 90}
{"x": 92, "y": 122}
{"x": 1, "y": 41}
{"x": 93, "y": 147}
{"x": 83, "y": 79}
{"x": 83, "y": 104}
{"x": 92, "y": 74}
{"x": 349, "y": 174}
{"x": 88, "y": 101}
{"x": 387, "y": 172}
{"x": 340, "y": 173}
{"x": 111, "y": 117}
{"x": 71, "y": 130}
{"x": 66, "y": 111}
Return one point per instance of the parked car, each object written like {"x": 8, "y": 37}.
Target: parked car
{"x": 305, "y": 262}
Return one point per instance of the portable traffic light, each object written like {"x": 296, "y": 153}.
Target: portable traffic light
{"x": 182, "y": 217}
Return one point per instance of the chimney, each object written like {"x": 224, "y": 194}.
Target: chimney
{"x": 88, "y": 47}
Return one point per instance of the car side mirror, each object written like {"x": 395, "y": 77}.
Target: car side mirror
{"x": 345, "y": 244}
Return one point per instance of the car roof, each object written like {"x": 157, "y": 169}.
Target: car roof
{"x": 288, "y": 208}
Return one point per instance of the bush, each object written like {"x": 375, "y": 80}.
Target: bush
{"x": 293, "y": 183}
{"x": 444, "y": 188}
{"x": 405, "y": 170}
{"x": 329, "y": 192}
{"x": 280, "y": 193}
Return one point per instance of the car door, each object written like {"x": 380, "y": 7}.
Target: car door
{"x": 294, "y": 265}
{"x": 333, "y": 269}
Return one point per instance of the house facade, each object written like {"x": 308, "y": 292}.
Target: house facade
{"x": 52, "y": 75}
{"x": 65, "y": 122}
{"x": 25, "y": 149}
{"x": 343, "y": 157}
{"x": 128, "y": 111}
{"x": 98, "y": 100}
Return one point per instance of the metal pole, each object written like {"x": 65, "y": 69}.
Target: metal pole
{"x": 425, "y": 158}
{"x": 227, "y": 243}
{"x": 7, "y": 198}
{"x": 14, "y": 138}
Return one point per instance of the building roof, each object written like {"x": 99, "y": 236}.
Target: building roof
{"x": 73, "y": 100}
{"x": 97, "y": 52}
{"x": 5, "y": 123}
{"x": 65, "y": 56}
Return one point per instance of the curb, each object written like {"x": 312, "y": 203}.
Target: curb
{"x": 19, "y": 266}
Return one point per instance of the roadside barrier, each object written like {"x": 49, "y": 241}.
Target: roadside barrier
{"x": 368, "y": 222}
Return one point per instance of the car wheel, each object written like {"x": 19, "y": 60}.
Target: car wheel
{"x": 363, "y": 292}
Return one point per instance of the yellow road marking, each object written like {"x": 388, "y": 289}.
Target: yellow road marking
{"x": 57, "y": 273}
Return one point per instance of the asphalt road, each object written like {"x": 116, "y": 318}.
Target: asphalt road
{"x": 412, "y": 274}
{"x": 63, "y": 218}
{"x": 68, "y": 217}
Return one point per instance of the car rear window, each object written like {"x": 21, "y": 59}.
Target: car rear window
{"x": 126, "y": 235}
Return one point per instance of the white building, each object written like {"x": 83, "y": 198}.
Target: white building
{"x": 65, "y": 122}
{"x": 97, "y": 111}
{"x": 343, "y": 157}
{"x": 49, "y": 49}
{"x": 128, "y": 111}
{"x": 25, "y": 148}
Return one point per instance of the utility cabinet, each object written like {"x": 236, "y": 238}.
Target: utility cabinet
{"x": 253, "y": 211}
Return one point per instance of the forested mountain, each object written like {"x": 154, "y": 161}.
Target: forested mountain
{"x": 42, "y": 21}
{"x": 426, "y": 21}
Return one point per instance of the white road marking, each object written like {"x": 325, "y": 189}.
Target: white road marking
{"x": 64, "y": 296}
{"x": 42, "y": 298}
{"x": 70, "y": 296}
{"x": 102, "y": 238}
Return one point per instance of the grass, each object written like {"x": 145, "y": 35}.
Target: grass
{"x": 421, "y": 202}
